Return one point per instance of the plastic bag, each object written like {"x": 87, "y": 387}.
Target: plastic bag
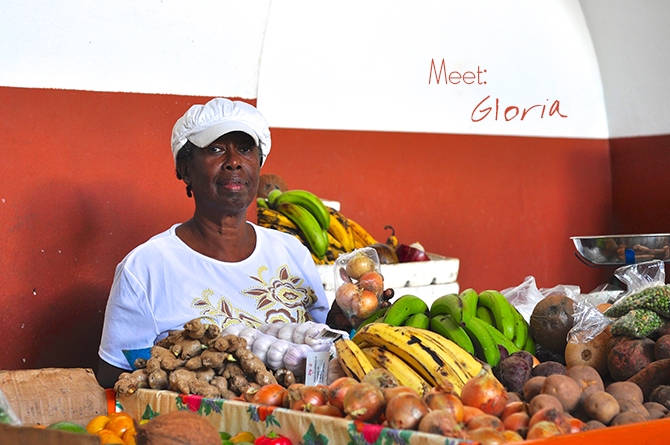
{"x": 639, "y": 276}
{"x": 588, "y": 321}
{"x": 7, "y": 415}
{"x": 359, "y": 284}
{"x": 526, "y": 295}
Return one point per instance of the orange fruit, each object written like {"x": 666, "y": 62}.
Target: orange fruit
{"x": 108, "y": 437}
{"x": 121, "y": 424}
{"x": 129, "y": 437}
{"x": 96, "y": 424}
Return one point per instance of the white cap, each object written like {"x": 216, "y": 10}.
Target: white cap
{"x": 203, "y": 124}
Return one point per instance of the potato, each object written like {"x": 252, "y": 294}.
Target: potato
{"x": 626, "y": 418}
{"x": 633, "y": 405}
{"x": 655, "y": 406}
{"x": 661, "y": 395}
{"x": 595, "y": 424}
{"x": 601, "y": 406}
{"x": 587, "y": 377}
{"x": 542, "y": 401}
{"x": 625, "y": 390}
{"x": 627, "y": 356}
{"x": 533, "y": 387}
{"x": 551, "y": 320}
{"x": 564, "y": 389}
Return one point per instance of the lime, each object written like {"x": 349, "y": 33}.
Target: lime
{"x": 68, "y": 426}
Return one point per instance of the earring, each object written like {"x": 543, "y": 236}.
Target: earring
{"x": 188, "y": 191}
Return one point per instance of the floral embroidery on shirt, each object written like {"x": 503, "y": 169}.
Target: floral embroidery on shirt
{"x": 283, "y": 297}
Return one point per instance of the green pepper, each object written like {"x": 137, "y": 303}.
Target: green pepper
{"x": 273, "y": 438}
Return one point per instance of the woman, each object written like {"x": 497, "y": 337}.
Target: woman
{"x": 217, "y": 265}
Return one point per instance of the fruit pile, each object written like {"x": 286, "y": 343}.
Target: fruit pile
{"x": 484, "y": 324}
{"x": 326, "y": 232}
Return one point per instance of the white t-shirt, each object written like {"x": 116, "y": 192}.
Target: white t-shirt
{"x": 163, "y": 283}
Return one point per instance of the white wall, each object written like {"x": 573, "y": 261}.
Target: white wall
{"x": 362, "y": 65}
{"x": 366, "y": 66}
{"x": 632, "y": 43}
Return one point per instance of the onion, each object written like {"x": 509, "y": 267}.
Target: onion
{"x": 292, "y": 394}
{"x": 271, "y": 394}
{"x": 441, "y": 421}
{"x": 310, "y": 396}
{"x": 364, "y": 401}
{"x": 338, "y": 389}
{"x": 372, "y": 281}
{"x": 345, "y": 295}
{"x": 487, "y": 436}
{"x": 358, "y": 265}
{"x": 365, "y": 305}
{"x": 485, "y": 392}
{"x": 396, "y": 390}
{"x": 444, "y": 400}
{"x": 405, "y": 411}
{"x": 178, "y": 427}
{"x": 327, "y": 410}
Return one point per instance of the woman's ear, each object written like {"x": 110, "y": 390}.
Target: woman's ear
{"x": 182, "y": 171}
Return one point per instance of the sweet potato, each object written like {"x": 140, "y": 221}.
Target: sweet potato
{"x": 628, "y": 356}
{"x": 654, "y": 374}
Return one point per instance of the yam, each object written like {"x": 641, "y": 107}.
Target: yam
{"x": 654, "y": 374}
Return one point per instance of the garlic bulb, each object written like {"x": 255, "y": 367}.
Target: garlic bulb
{"x": 261, "y": 345}
{"x": 249, "y": 334}
{"x": 271, "y": 328}
{"x": 300, "y": 330}
{"x": 233, "y": 329}
{"x": 315, "y": 340}
{"x": 295, "y": 359}
{"x": 286, "y": 332}
{"x": 276, "y": 352}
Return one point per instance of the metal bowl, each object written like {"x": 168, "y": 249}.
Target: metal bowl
{"x": 614, "y": 250}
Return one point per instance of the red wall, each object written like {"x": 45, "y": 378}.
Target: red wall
{"x": 87, "y": 176}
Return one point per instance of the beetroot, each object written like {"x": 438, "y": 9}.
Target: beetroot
{"x": 627, "y": 356}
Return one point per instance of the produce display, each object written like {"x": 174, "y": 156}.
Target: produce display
{"x": 469, "y": 366}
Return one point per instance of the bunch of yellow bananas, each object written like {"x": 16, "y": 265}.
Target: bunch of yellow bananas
{"x": 325, "y": 231}
{"x": 418, "y": 358}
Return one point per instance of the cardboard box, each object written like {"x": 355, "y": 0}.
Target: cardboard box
{"x": 300, "y": 427}
{"x": 49, "y": 395}
{"x": 439, "y": 270}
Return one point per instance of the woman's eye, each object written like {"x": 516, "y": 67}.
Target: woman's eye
{"x": 246, "y": 149}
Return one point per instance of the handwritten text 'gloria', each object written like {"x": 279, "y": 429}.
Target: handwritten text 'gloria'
{"x": 485, "y": 108}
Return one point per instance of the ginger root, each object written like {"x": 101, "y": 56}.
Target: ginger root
{"x": 129, "y": 382}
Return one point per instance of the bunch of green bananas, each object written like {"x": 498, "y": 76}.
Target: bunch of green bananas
{"x": 325, "y": 231}
{"x": 300, "y": 213}
{"x": 481, "y": 324}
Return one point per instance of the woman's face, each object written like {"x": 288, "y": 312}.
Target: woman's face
{"x": 224, "y": 175}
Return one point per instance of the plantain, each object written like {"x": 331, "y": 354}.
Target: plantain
{"x": 436, "y": 359}
{"x": 445, "y": 326}
{"x": 485, "y": 314}
{"x": 486, "y": 347}
{"x": 352, "y": 359}
{"x": 362, "y": 237}
{"x": 451, "y": 305}
{"x": 339, "y": 229}
{"x": 404, "y": 307}
{"x": 419, "y": 320}
{"x": 502, "y": 310}
{"x": 268, "y": 217}
{"x": 308, "y": 201}
{"x": 521, "y": 329}
{"x": 316, "y": 237}
{"x": 406, "y": 375}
